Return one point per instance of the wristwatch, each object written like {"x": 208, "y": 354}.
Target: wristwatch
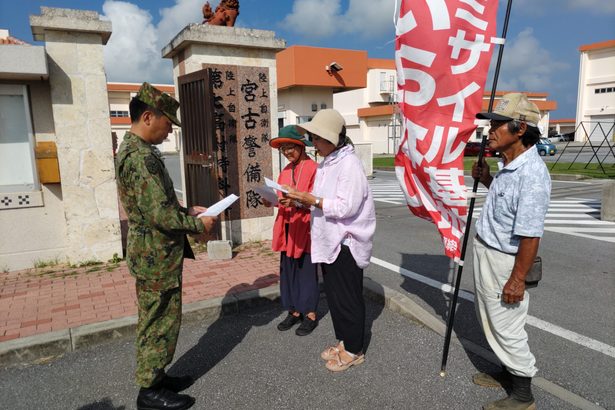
{"x": 316, "y": 202}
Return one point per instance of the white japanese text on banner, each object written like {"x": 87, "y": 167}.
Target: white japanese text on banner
{"x": 442, "y": 54}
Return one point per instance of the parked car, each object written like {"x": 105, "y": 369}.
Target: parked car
{"x": 544, "y": 147}
{"x": 473, "y": 148}
{"x": 567, "y": 137}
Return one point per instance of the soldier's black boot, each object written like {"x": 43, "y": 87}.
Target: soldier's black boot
{"x": 520, "y": 398}
{"x": 176, "y": 384}
{"x": 159, "y": 398}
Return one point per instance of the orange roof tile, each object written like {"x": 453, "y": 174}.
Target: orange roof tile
{"x": 377, "y": 111}
{"x": 120, "y": 120}
{"x": 598, "y": 46}
{"x": 13, "y": 41}
{"x": 306, "y": 66}
{"x": 381, "y": 63}
{"x": 134, "y": 87}
{"x": 563, "y": 121}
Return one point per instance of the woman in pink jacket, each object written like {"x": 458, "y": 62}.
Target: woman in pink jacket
{"x": 343, "y": 226}
{"x": 299, "y": 291}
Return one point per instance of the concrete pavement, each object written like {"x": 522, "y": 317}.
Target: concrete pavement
{"x": 231, "y": 294}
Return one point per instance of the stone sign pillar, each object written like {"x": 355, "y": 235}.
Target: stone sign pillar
{"x": 242, "y": 68}
{"x": 74, "y": 42}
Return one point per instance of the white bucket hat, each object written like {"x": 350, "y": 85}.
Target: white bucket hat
{"x": 326, "y": 124}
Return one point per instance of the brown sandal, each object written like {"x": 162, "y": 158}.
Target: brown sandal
{"x": 337, "y": 365}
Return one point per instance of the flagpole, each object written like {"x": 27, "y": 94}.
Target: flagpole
{"x": 451, "y": 315}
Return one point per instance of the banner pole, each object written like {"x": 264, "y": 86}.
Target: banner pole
{"x": 481, "y": 153}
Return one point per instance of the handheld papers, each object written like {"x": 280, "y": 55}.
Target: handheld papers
{"x": 219, "y": 206}
{"x": 275, "y": 185}
{"x": 267, "y": 193}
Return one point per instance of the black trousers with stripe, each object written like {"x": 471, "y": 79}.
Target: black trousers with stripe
{"x": 343, "y": 284}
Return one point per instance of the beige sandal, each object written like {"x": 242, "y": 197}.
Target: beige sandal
{"x": 337, "y": 365}
{"x": 330, "y": 353}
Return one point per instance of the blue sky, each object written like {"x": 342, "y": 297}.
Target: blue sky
{"x": 541, "y": 54}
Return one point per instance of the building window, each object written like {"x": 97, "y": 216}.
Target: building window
{"x": 303, "y": 118}
{"x": 323, "y": 106}
{"x": 119, "y": 114}
{"x": 604, "y": 90}
{"x": 314, "y": 107}
{"x": 17, "y": 161}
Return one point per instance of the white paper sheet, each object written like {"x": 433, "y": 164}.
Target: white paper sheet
{"x": 267, "y": 193}
{"x": 275, "y": 185}
{"x": 219, "y": 206}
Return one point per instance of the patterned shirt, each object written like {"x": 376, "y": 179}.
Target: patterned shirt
{"x": 517, "y": 203}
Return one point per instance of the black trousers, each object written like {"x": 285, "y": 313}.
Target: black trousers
{"x": 343, "y": 283}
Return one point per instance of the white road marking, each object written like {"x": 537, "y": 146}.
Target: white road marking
{"x": 531, "y": 320}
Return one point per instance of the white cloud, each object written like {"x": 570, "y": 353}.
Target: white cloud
{"x": 314, "y": 18}
{"x": 130, "y": 54}
{"x": 133, "y": 53}
{"x": 526, "y": 66}
{"x": 324, "y": 18}
{"x": 175, "y": 18}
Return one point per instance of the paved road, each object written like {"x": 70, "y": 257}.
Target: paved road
{"x": 574, "y": 210}
{"x": 243, "y": 362}
{"x": 571, "y": 332}
{"x": 582, "y": 154}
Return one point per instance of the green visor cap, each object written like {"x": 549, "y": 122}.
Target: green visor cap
{"x": 289, "y": 135}
{"x": 163, "y": 102}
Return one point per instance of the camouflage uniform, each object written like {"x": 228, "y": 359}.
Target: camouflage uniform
{"x": 157, "y": 243}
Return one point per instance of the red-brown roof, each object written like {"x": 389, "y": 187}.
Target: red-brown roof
{"x": 598, "y": 46}
{"x": 12, "y": 41}
{"x": 133, "y": 87}
{"x": 563, "y": 121}
{"x": 377, "y": 111}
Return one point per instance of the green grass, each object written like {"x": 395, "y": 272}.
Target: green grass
{"x": 592, "y": 170}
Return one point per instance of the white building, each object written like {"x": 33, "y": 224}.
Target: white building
{"x": 120, "y": 95}
{"x": 596, "y": 94}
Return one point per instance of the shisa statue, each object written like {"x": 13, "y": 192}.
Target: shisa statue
{"x": 225, "y": 15}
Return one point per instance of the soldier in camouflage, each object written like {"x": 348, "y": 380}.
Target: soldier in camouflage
{"x": 156, "y": 246}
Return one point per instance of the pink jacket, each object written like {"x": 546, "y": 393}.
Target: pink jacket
{"x": 348, "y": 213}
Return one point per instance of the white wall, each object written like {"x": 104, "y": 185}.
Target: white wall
{"x": 381, "y": 85}
{"x": 299, "y": 100}
{"x": 596, "y": 71}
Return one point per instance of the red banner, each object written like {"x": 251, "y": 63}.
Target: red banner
{"x": 442, "y": 54}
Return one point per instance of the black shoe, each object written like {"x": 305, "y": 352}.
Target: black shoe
{"x": 307, "y": 325}
{"x": 288, "y": 322}
{"x": 176, "y": 384}
{"x": 163, "y": 399}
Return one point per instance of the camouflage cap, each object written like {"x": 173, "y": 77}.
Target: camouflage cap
{"x": 163, "y": 102}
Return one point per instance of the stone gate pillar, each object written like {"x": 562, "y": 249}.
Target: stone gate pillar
{"x": 244, "y": 82}
{"x": 74, "y": 42}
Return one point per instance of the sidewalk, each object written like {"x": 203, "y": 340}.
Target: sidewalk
{"x": 49, "y": 299}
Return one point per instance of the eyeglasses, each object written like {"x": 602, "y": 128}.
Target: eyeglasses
{"x": 285, "y": 148}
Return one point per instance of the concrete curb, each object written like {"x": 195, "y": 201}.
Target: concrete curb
{"x": 54, "y": 344}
